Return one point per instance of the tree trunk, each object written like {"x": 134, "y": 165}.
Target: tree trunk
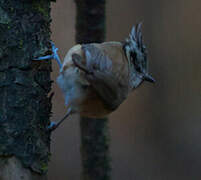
{"x": 24, "y": 86}
{"x": 90, "y": 27}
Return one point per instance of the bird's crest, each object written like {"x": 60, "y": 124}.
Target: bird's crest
{"x": 135, "y": 37}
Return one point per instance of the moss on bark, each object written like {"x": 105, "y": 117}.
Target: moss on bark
{"x": 24, "y": 84}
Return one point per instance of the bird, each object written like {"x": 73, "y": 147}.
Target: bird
{"x": 96, "y": 78}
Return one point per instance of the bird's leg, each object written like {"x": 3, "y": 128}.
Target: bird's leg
{"x": 52, "y": 56}
{"x": 54, "y": 125}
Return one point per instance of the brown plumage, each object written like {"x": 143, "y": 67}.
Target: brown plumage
{"x": 96, "y": 78}
{"x": 103, "y": 86}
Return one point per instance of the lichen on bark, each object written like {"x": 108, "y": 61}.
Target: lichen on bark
{"x": 24, "y": 84}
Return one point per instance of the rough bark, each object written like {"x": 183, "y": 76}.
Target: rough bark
{"x": 12, "y": 169}
{"x": 90, "y": 27}
{"x": 24, "y": 86}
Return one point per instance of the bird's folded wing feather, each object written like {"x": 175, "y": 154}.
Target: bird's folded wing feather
{"x": 101, "y": 76}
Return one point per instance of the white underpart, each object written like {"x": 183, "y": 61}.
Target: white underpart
{"x": 70, "y": 84}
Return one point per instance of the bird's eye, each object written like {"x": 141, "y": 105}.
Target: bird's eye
{"x": 135, "y": 62}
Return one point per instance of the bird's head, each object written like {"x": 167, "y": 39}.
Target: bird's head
{"x": 136, "y": 54}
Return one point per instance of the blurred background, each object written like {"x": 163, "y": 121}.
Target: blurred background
{"x": 156, "y": 133}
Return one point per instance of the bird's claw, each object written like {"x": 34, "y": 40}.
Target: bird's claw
{"x": 52, "y": 126}
{"x": 54, "y": 55}
{"x": 54, "y": 50}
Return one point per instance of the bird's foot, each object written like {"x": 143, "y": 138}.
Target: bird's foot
{"x": 52, "y": 126}
{"x": 54, "y": 55}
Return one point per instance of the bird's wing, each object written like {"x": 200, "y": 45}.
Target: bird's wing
{"x": 101, "y": 76}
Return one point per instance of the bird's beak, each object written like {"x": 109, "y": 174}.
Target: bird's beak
{"x": 149, "y": 78}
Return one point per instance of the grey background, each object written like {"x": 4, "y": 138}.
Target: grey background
{"x": 155, "y": 134}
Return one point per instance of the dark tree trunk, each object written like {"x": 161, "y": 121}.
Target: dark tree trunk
{"x": 24, "y": 87}
{"x": 90, "y": 27}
